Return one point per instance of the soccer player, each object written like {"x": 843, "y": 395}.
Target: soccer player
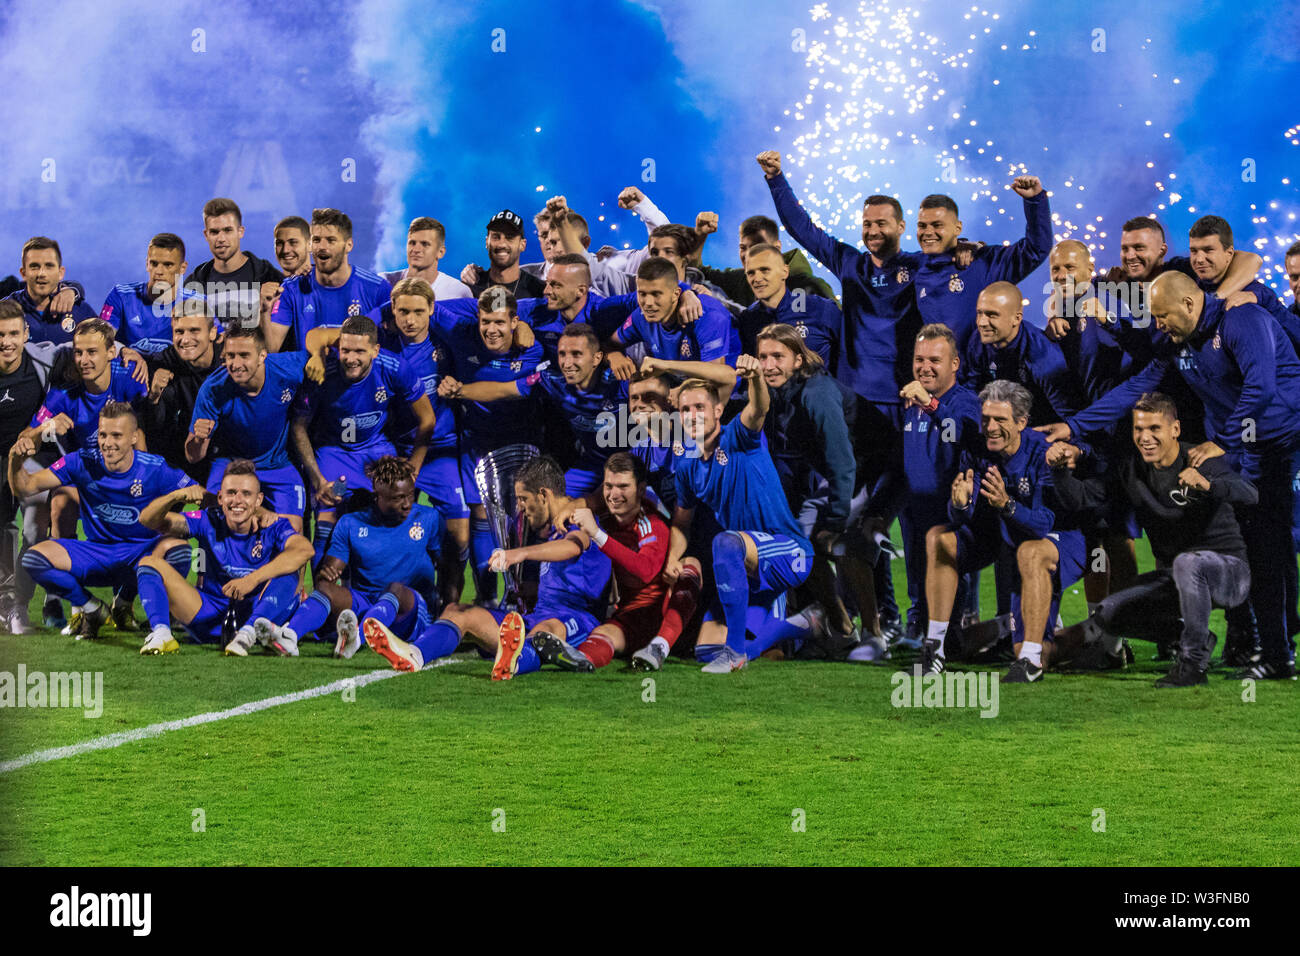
{"x": 1247, "y": 377}
{"x": 761, "y": 551}
{"x": 177, "y": 373}
{"x": 756, "y": 231}
{"x": 335, "y": 290}
{"x": 388, "y": 552}
{"x": 53, "y": 308}
{"x": 426, "y": 244}
{"x": 231, "y": 281}
{"x": 292, "y": 247}
{"x": 113, "y": 481}
{"x": 339, "y": 422}
{"x": 141, "y": 312}
{"x": 568, "y": 299}
{"x": 613, "y": 272}
{"x": 817, "y": 320}
{"x": 1188, "y": 516}
{"x": 579, "y": 390}
{"x": 244, "y": 408}
{"x": 505, "y": 243}
{"x": 248, "y": 570}
{"x": 570, "y": 596}
{"x": 1002, "y": 499}
{"x": 650, "y": 616}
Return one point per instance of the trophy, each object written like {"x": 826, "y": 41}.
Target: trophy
{"x": 495, "y": 476}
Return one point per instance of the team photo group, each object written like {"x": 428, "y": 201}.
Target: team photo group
{"x": 571, "y": 456}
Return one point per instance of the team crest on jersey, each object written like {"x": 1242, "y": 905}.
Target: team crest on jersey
{"x": 381, "y": 394}
{"x": 1218, "y": 341}
{"x": 802, "y": 330}
{"x": 722, "y": 457}
{"x": 685, "y": 349}
{"x": 67, "y": 324}
{"x": 903, "y": 277}
{"x": 256, "y": 551}
{"x": 516, "y": 366}
{"x": 354, "y": 308}
{"x": 1083, "y": 323}
{"x": 417, "y": 531}
{"x": 955, "y": 284}
{"x": 678, "y": 448}
{"x": 1024, "y": 485}
{"x": 286, "y": 397}
{"x": 137, "y": 488}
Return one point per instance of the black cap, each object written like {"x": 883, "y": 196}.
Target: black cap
{"x": 506, "y": 222}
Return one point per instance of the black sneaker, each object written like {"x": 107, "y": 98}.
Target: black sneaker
{"x": 551, "y": 650}
{"x": 90, "y": 622}
{"x": 1022, "y": 671}
{"x": 52, "y": 614}
{"x": 1095, "y": 657}
{"x": 1183, "y": 674}
{"x": 1165, "y": 651}
{"x": 1267, "y": 670}
{"x": 931, "y": 660}
{"x": 1239, "y": 654}
{"x": 123, "y": 616}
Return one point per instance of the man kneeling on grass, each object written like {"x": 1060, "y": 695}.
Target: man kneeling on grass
{"x": 1002, "y": 498}
{"x": 571, "y": 595}
{"x": 248, "y": 566}
{"x": 1188, "y": 516}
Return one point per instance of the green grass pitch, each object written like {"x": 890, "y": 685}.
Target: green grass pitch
{"x": 783, "y": 763}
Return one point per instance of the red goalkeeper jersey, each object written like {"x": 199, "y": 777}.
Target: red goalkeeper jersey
{"x": 638, "y": 551}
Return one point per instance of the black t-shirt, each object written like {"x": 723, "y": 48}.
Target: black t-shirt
{"x": 167, "y": 423}
{"x": 21, "y": 395}
{"x": 1176, "y": 522}
{"x": 235, "y": 294}
{"x": 527, "y": 286}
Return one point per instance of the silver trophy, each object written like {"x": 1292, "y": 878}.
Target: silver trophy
{"x": 495, "y": 476}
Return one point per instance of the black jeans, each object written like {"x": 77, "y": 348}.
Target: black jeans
{"x": 1198, "y": 582}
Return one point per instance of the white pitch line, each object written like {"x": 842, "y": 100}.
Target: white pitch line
{"x": 157, "y": 730}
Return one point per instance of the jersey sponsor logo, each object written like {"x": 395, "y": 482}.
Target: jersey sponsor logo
{"x": 955, "y": 284}
{"x": 117, "y": 514}
{"x": 368, "y": 420}
{"x": 417, "y": 531}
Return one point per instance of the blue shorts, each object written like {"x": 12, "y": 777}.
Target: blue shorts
{"x": 440, "y": 479}
{"x": 350, "y": 464}
{"x": 783, "y": 561}
{"x": 469, "y": 487}
{"x": 205, "y": 628}
{"x": 105, "y": 564}
{"x": 404, "y": 626}
{"x": 283, "y": 490}
{"x": 578, "y": 625}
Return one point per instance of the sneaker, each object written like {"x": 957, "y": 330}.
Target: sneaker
{"x": 510, "y": 644}
{"x": 160, "y": 641}
{"x": 264, "y": 632}
{"x": 873, "y": 648}
{"x": 284, "y": 642}
{"x": 1267, "y": 670}
{"x": 18, "y": 623}
{"x": 1022, "y": 671}
{"x": 52, "y": 615}
{"x": 72, "y": 625}
{"x": 649, "y": 658}
{"x": 349, "y": 636}
{"x": 552, "y": 650}
{"x": 1095, "y": 657}
{"x": 89, "y": 622}
{"x": 912, "y": 639}
{"x": 1183, "y": 674}
{"x": 892, "y": 632}
{"x": 403, "y": 656}
{"x": 123, "y": 616}
{"x": 1236, "y": 654}
{"x": 726, "y": 662}
{"x": 932, "y": 661}
{"x": 243, "y": 641}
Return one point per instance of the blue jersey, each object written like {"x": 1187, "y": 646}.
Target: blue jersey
{"x": 818, "y": 322}
{"x": 141, "y": 322}
{"x": 934, "y": 441}
{"x": 947, "y": 295}
{"x": 660, "y": 465}
{"x": 491, "y": 424}
{"x": 379, "y": 554}
{"x": 1028, "y": 481}
{"x": 548, "y": 325}
{"x": 1238, "y": 363}
{"x": 1034, "y": 361}
{"x": 319, "y": 306}
{"x": 1091, "y": 347}
{"x": 429, "y": 362}
{"x": 252, "y": 426}
{"x": 709, "y": 337}
{"x": 880, "y": 314}
{"x": 578, "y": 584}
{"x": 111, "y": 501}
{"x": 353, "y": 415}
{"x": 739, "y": 484}
{"x": 83, "y": 406}
{"x": 583, "y": 410}
{"x": 46, "y": 326}
{"x": 227, "y": 555}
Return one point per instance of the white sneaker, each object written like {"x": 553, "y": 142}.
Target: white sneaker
{"x": 282, "y": 640}
{"x": 726, "y": 662}
{"x": 349, "y": 640}
{"x": 403, "y": 656}
{"x": 649, "y": 658}
{"x": 160, "y": 641}
{"x": 873, "y": 648}
{"x": 242, "y": 642}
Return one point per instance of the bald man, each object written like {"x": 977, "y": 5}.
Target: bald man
{"x": 1083, "y": 320}
{"x": 1246, "y": 374}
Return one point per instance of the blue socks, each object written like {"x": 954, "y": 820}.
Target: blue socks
{"x": 276, "y": 602}
{"x": 58, "y": 583}
{"x": 732, "y": 582}
{"x": 528, "y": 659}
{"x": 311, "y": 614}
{"x": 441, "y": 638}
{"x": 321, "y": 540}
{"x": 481, "y": 546}
{"x": 153, "y": 597}
{"x": 385, "y": 609}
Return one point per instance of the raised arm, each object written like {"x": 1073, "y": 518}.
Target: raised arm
{"x": 23, "y": 482}
{"x": 160, "y": 514}
{"x": 754, "y": 413}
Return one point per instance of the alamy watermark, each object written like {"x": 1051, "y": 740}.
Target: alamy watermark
{"x": 973, "y": 689}
{"x": 82, "y": 690}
